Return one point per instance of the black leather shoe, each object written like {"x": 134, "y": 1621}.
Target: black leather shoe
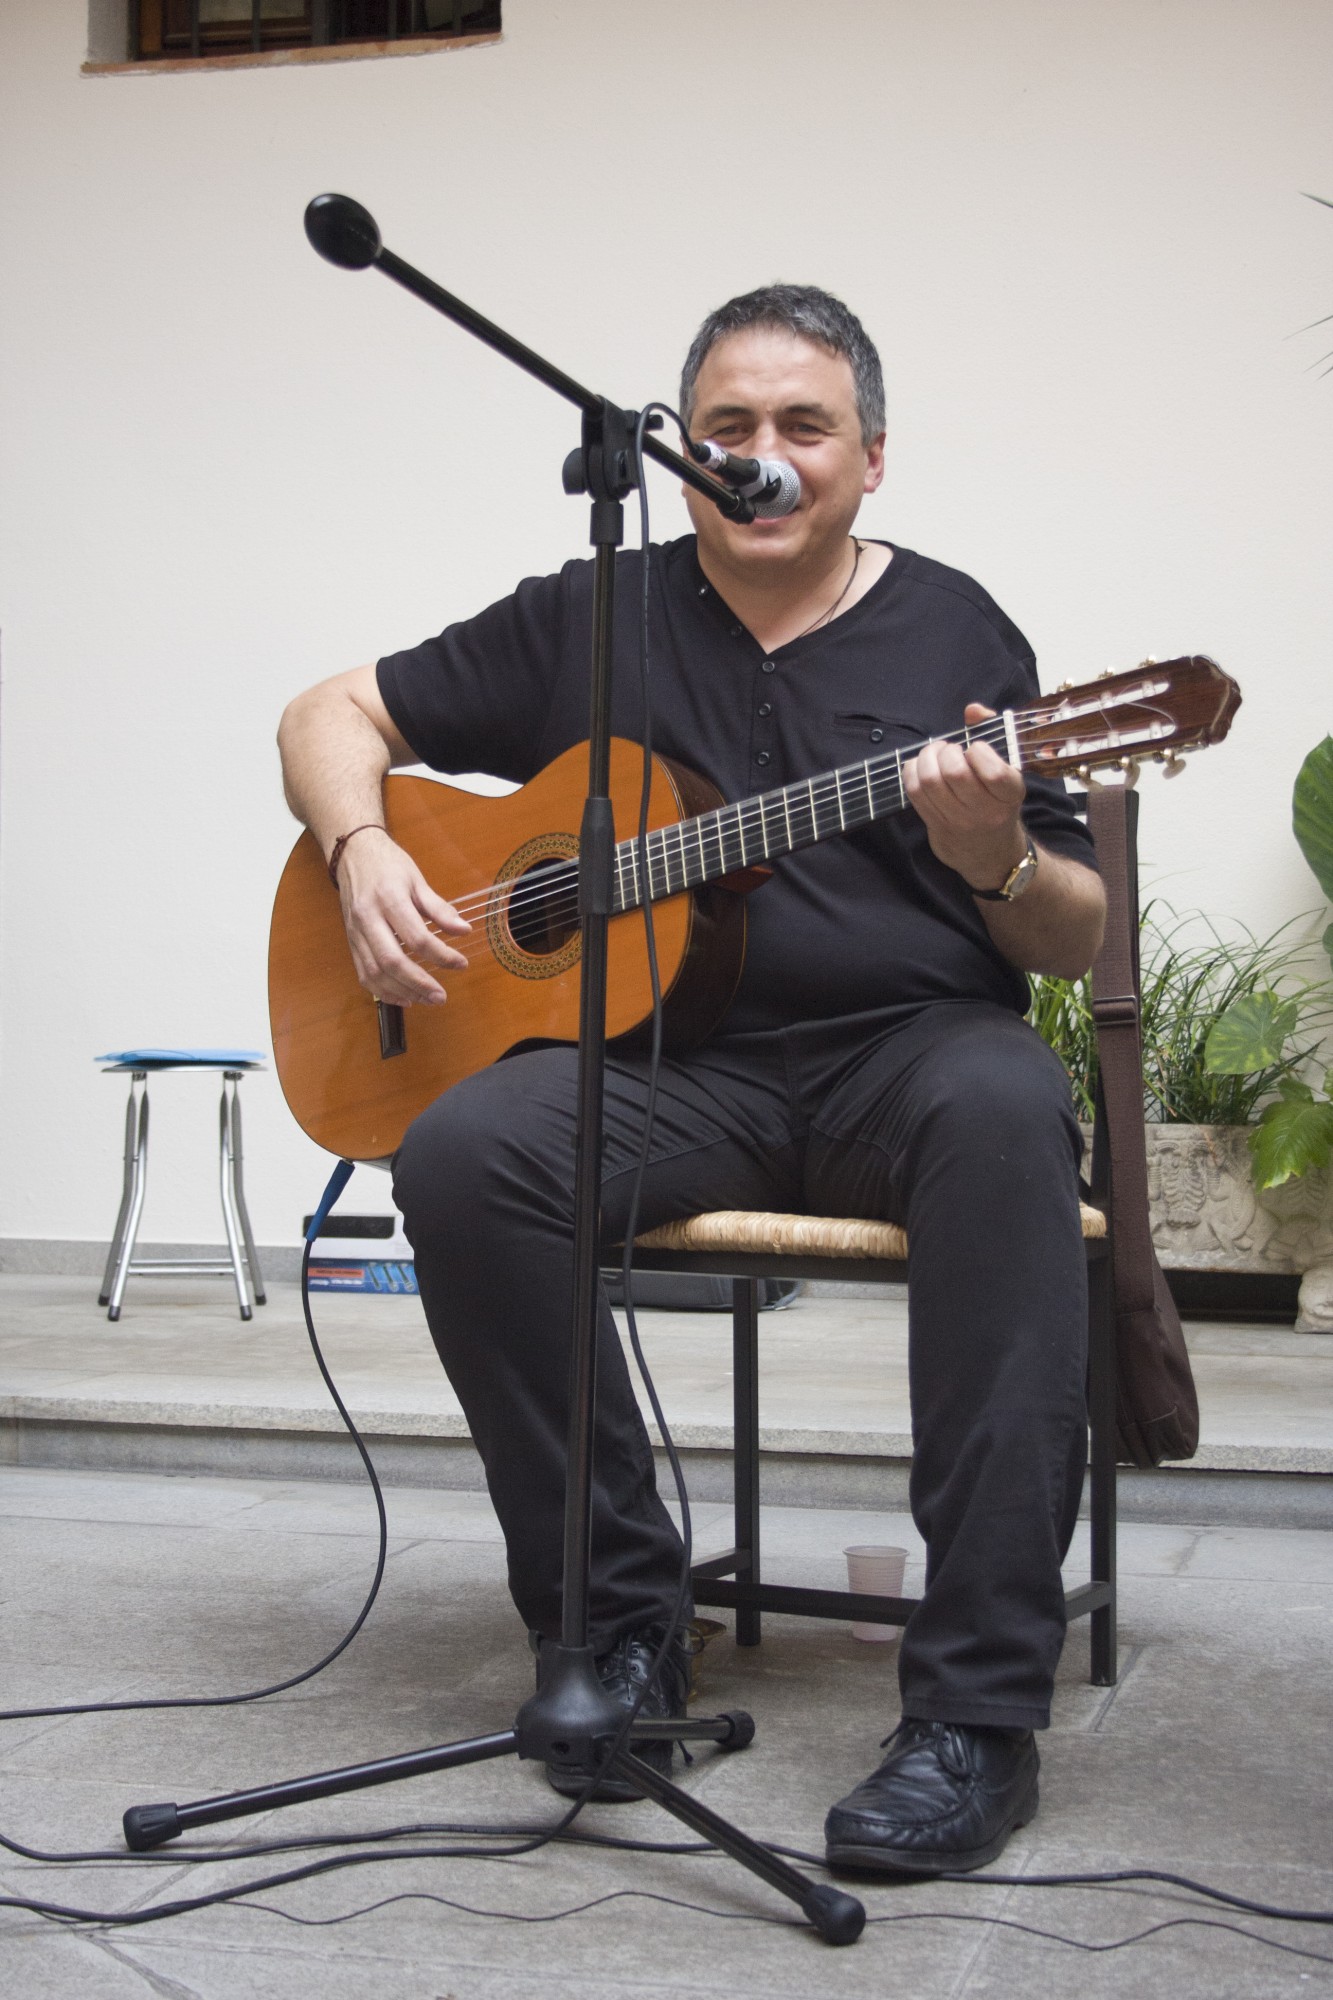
{"x": 622, "y": 1672}
{"x": 946, "y": 1797}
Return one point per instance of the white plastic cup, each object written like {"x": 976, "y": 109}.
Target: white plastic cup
{"x": 879, "y": 1572}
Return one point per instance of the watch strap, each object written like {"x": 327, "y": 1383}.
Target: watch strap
{"x": 1021, "y": 871}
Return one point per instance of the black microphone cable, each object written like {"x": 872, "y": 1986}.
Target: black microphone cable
{"x": 337, "y": 1182}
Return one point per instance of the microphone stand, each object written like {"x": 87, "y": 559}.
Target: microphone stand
{"x": 571, "y": 1716}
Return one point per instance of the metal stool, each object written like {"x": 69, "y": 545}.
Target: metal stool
{"x": 121, "y": 1262}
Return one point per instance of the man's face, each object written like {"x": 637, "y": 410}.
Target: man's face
{"x": 767, "y": 393}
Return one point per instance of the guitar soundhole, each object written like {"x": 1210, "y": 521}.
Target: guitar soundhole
{"x": 544, "y": 910}
{"x": 532, "y": 917}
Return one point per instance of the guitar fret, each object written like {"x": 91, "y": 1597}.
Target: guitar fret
{"x": 837, "y": 794}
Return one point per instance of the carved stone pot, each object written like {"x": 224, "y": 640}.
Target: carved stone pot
{"x": 1207, "y": 1214}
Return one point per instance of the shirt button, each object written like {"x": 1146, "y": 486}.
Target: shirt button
{"x": 735, "y": 631}
{"x": 877, "y": 735}
{"x": 770, "y": 666}
{"x": 765, "y": 708}
{"x": 703, "y": 590}
{"x": 761, "y": 757}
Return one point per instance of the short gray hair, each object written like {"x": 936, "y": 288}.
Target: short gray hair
{"x": 810, "y": 314}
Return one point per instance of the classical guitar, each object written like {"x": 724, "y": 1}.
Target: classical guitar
{"x": 356, "y": 1072}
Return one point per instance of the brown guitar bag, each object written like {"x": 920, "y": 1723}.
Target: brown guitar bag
{"x": 1157, "y": 1407}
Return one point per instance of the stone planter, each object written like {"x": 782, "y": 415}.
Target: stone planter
{"x": 1207, "y": 1214}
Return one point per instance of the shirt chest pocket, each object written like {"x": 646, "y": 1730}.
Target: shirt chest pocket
{"x": 860, "y": 733}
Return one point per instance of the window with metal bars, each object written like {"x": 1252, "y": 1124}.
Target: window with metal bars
{"x": 176, "y": 28}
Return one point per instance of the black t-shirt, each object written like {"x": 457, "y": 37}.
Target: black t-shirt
{"x": 866, "y": 924}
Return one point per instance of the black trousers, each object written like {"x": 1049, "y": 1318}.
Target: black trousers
{"x": 955, "y": 1122}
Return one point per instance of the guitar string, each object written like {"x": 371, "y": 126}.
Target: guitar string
{"x": 746, "y": 814}
{"x": 555, "y": 885}
{"x": 545, "y": 886}
{"x": 1028, "y": 723}
{"x": 552, "y": 889}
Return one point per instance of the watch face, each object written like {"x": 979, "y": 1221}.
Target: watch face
{"x": 1021, "y": 876}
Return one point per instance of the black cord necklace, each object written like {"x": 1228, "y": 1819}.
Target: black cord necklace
{"x": 825, "y": 617}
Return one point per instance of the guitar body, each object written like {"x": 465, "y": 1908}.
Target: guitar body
{"x": 350, "y": 1086}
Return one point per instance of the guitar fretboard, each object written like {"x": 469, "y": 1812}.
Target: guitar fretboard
{"x": 758, "y": 829}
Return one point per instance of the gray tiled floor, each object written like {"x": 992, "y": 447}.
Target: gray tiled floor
{"x": 1212, "y": 1757}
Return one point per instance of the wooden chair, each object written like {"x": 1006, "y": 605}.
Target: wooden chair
{"x": 747, "y": 1248}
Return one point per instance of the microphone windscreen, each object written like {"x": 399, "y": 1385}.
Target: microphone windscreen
{"x": 788, "y": 496}
{"x": 344, "y": 232}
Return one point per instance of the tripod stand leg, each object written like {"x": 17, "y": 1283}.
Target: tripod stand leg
{"x": 837, "y": 1917}
{"x": 149, "y": 1826}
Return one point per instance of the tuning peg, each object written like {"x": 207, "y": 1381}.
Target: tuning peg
{"x": 1148, "y": 660}
{"x": 1090, "y": 777}
{"x": 1172, "y": 764}
{"x": 1130, "y": 767}
{"x": 1107, "y": 674}
{"x": 1063, "y": 687}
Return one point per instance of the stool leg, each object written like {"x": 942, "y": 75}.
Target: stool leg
{"x": 137, "y": 1182}
{"x": 238, "y": 1195}
{"x": 126, "y": 1191}
{"x": 229, "y": 1206}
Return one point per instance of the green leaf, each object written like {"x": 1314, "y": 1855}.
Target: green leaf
{"x": 1294, "y": 1090}
{"x": 1312, "y": 814}
{"x": 1289, "y": 1140}
{"x": 1250, "y": 1034}
{"x": 1328, "y": 943}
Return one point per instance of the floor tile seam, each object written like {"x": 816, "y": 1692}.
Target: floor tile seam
{"x": 120, "y": 1954}
{"x": 334, "y": 1533}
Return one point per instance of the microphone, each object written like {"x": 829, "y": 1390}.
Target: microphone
{"x": 772, "y": 487}
{"x": 342, "y": 231}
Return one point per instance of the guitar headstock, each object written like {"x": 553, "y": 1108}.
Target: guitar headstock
{"x": 1159, "y": 710}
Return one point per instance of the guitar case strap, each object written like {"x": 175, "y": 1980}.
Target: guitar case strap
{"x": 1157, "y": 1407}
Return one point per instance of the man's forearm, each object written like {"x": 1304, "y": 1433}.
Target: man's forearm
{"x": 1055, "y": 927}
{"x": 334, "y": 761}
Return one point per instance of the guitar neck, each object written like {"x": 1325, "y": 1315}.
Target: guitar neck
{"x": 768, "y": 825}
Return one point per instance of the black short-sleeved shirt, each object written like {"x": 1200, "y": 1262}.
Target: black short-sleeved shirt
{"x": 870, "y": 923}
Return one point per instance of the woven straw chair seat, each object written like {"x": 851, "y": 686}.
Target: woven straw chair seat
{"x": 801, "y": 1235}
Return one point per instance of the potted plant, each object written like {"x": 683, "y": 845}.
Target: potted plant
{"x": 1239, "y": 1125}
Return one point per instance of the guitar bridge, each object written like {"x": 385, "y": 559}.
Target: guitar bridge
{"x": 393, "y": 1030}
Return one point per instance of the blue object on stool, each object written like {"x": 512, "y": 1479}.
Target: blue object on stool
{"x": 136, "y": 1063}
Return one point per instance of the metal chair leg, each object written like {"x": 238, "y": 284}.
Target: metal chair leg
{"x": 136, "y": 1135}
{"x": 229, "y": 1217}
{"x": 1102, "y": 1496}
{"x": 745, "y": 1394}
{"x": 238, "y": 1193}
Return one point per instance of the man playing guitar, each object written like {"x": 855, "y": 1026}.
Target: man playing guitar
{"x": 873, "y": 1062}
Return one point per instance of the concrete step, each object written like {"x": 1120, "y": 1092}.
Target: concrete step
{"x": 181, "y": 1384}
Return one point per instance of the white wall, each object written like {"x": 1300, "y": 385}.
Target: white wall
{"x": 1075, "y": 229}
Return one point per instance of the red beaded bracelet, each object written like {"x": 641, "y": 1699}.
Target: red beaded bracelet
{"x": 370, "y": 826}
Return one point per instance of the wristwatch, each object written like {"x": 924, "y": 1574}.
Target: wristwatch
{"x": 1015, "y": 882}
